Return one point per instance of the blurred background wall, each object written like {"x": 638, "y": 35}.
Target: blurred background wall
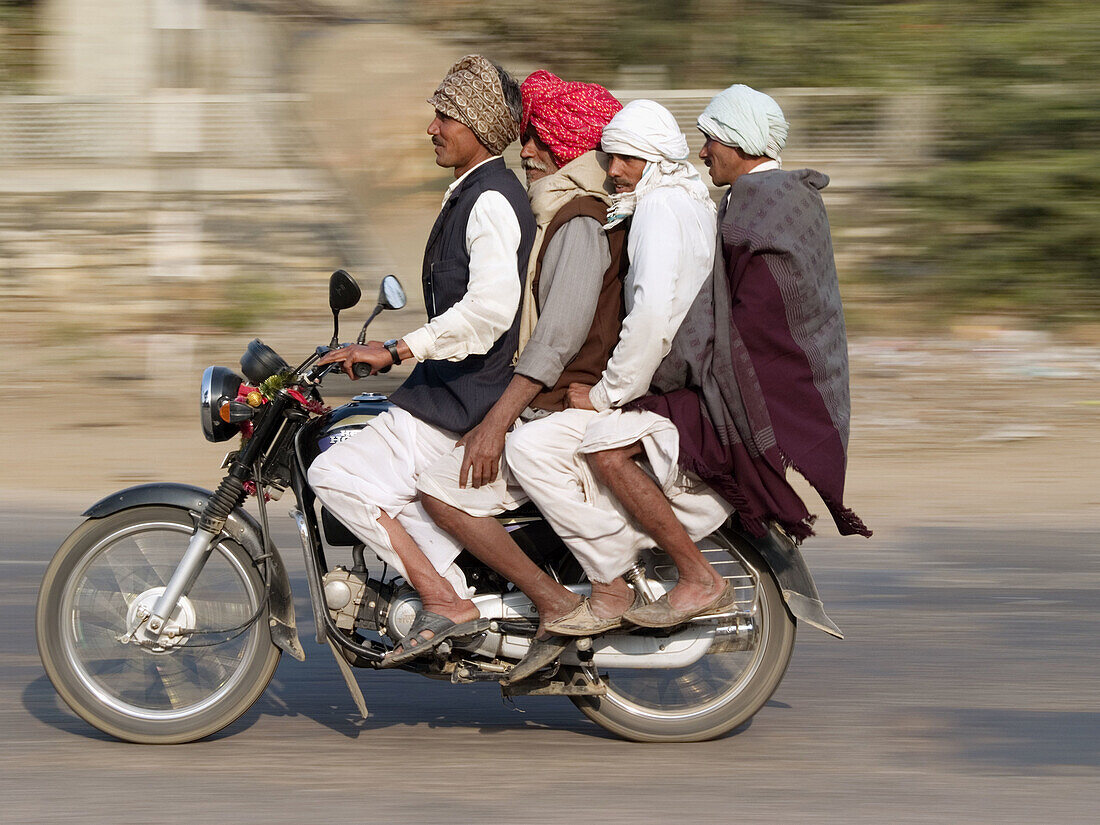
{"x": 179, "y": 175}
{"x": 213, "y": 142}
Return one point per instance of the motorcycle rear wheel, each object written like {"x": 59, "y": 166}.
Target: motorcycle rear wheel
{"x": 723, "y": 689}
{"x": 191, "y": 687}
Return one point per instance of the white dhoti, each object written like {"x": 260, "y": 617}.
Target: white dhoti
{"x": 547, "y": 457}
{"x": 374, "y": 472}
{"x": 502, "y": 494}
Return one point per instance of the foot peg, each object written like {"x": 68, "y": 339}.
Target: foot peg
{"x": 575, "y": 683}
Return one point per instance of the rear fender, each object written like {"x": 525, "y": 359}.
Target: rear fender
{"x": 785, "y": 561}
{"x": 240, "y": 527}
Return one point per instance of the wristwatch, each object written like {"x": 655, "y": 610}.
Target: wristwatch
{"x": 391, "y": 345}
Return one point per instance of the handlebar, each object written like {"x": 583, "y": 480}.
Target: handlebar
{"x": 362, "y": 370}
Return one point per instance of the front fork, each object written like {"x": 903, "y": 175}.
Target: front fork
{"x": 214, "y": 514}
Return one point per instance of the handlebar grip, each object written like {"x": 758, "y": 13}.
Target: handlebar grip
{"x": 362, "y": 370}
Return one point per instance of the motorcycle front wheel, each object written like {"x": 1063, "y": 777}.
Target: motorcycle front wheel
{"x": 182, "y": 689}
{"x": 724, "y": 688}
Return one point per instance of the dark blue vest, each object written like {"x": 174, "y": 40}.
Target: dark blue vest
{"x": 455, "y": 395}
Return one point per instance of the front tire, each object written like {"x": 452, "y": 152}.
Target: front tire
{"x": 182, "y": 691}
{"x": 722, "y": 690}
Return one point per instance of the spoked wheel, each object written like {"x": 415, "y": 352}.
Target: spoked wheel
{"x": 724, "y": 688}
{"x": 190, "y": 683}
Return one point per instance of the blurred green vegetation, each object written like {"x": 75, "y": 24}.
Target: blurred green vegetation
{"x": 242, "y": 304}
{"x": 711, "y": 43}
{"x": 1003, "y": 215}
{"x": 1009, "y": 225}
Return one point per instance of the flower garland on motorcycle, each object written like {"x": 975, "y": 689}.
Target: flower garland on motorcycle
{"x": 242, "y": 409}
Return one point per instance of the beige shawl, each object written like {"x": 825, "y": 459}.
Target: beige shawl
{"x": 587, "y": 175}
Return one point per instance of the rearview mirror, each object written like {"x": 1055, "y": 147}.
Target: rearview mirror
{"x": 343, "y": 292}
{"x": 391, "y": 295}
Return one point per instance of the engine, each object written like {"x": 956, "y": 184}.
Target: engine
{"x": 354, "y": 600}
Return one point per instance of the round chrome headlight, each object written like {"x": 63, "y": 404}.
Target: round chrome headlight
{"x": 219, "y": 384}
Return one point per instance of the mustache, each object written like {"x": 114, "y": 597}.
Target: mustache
{"x": 536, "y": 165}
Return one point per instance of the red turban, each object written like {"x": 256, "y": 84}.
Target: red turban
{"x": 568, "y": 117}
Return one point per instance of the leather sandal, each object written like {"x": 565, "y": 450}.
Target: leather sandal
{"x": 662, "y": 614}
{"x": 541, "y": 653}
{"x": 581, "y": 621}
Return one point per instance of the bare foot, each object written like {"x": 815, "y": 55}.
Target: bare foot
{"x": 690, "y": 595}
{"x": 458, "y": 612}
{"x": 552, "y": 612}
{"x": 610, "y": 600}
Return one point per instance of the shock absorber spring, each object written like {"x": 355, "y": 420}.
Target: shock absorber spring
{"x": 636, "y": 577}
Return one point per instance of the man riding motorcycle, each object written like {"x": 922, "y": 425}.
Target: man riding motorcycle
{"x": 475, "y": 264}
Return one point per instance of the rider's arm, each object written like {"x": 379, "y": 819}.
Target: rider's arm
{"x": 487, "y": 310}
{"x": 569, "y": 286}
{"x": 573, "y": 266}
{"x": 671, "y": 248}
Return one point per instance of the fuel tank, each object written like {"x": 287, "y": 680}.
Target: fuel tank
{"x": 345, "y": 421}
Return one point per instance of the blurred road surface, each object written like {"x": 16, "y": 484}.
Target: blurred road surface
{"x": 964, "y": 693}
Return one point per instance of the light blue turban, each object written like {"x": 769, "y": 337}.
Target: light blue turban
{"x": 747, "y": 119}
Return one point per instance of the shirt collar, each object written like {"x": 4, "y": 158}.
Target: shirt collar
{"x": 458, "y": 181}
{"x": 766, "y": 166}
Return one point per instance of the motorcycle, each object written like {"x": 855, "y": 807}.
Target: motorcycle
{"x": 162, "y": 617}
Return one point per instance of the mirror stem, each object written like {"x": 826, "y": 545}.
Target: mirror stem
{"x": 363, "y": 332}
{"x": 335, "y": 342}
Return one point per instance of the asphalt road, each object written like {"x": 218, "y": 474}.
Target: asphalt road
{"x": 966, "y": 691}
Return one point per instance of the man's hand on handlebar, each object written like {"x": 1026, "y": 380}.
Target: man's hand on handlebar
{"x": 373, "y": 355}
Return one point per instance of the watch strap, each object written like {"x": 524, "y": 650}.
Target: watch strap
{"x": 391, "y": 345}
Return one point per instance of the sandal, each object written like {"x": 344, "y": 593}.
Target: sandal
{"x": 541, "y": 653}
{"x": 442, "y": 628}
{"x": 662, "y": 614}
{"x": 581, "y": 621}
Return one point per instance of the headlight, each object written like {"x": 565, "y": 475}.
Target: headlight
{"x": 219, "y": 384}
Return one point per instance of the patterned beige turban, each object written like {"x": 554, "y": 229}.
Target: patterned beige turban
{"x": 471, "y": 93}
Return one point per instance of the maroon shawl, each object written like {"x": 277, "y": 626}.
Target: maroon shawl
{"x": 757, "y": 379}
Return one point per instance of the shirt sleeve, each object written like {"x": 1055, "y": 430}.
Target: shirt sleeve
{"x": 671, "y": 248}
{"x": 573, "y": 267}
{"x": 488, "y": 308}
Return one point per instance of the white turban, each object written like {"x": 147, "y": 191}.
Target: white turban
{"x": 646, "y": 129}
{"x": 747, "y": 119}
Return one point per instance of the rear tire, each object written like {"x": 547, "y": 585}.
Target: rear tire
{"x": 720, "y": 691}
{"x": 182, "y": 692}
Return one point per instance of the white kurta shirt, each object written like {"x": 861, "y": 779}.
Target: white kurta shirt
{"x": 671, "y": 249}
{"x": 487, "y": 310}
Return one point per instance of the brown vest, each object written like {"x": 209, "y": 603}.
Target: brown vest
{"x": 588, "y": 364}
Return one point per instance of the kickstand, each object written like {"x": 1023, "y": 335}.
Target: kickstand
{"x": 508, "y": 702}
{"x": 349, "y": 679}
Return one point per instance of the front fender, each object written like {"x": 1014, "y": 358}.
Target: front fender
{"x": 785, "y": 561}
{"x": 240, "y": 527}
